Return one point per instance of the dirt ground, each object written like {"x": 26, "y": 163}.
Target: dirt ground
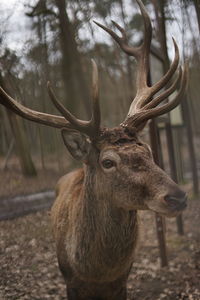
{"x": 14, "y": 183}
{"x": 28, "y": 266}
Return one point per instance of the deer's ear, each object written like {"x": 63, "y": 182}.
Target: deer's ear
{"x": 77, "y": 143}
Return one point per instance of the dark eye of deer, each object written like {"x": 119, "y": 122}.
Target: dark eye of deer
{"x": 107, "y": 163}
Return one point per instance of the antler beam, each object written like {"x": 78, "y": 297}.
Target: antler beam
{"x": 91, "y": 128}
{"x": 33, "y": 115}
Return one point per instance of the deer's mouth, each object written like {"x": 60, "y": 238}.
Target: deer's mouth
{"x": 175, "y": 206}
{"x": 175, "y": 203}
{"x": 168, "y": 206}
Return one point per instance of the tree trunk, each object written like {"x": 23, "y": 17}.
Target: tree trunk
{"x": 21, "y": 142}
{"x": 197, "y": 8}
{"x": 74, "y": 79}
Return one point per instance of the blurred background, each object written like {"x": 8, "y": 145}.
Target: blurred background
{"x": 55, "y": 40}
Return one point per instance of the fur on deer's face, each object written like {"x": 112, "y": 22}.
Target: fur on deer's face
{"x": 135, "y": 180}
{"x": 126, "y": 173}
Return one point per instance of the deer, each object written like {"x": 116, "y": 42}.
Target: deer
{"x": 94, "y": 216}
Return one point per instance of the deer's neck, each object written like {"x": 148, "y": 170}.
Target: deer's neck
{"x": 105, "y": 236}
{"x": 99, "y": 211}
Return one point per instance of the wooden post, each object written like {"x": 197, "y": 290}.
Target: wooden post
{"x": 160, "y": 221}
{"x": 170, "y": 145}
{"x": 190, "y": 137}
{"x": 173, "y": 169}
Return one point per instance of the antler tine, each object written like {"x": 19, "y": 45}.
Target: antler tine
{"x": 92, "y": 127}
{"x": 147, "y": 23}
{"x": 165, "y": 108}
{"x": 96, "y": 113}
{"x": 65, "y": 112}
{"x": 156, "y": 101}
{"x": 145, "y": 46}
{"x": 138, "y": 120}
{"x": 166, "y": 78}
{"x": 27, "y": 113}
{"x": 122, "y": 41}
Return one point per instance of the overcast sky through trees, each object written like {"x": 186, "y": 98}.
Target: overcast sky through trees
{"x": 18, "y": 25}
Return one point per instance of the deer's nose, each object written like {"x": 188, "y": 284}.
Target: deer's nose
{"x": 177, "y": 200}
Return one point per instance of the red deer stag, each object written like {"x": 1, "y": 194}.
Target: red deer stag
{"x": 95, "y": 213}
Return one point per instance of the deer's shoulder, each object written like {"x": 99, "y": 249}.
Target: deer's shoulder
{"x": 67, "y": 191}
{"x": 69, "y": 182}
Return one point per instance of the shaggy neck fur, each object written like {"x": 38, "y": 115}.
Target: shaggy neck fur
{"x": 105, "y": 236}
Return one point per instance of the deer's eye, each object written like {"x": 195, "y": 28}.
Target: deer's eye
{"x": 107, "y": 163}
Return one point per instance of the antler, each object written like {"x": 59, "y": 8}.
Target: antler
{"x": 91, "y": 128}
{"x": 143, "y": 106}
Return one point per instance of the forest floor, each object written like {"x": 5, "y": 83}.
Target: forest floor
{"x": 29, "y": 267}
{"x": 14, "y": 183}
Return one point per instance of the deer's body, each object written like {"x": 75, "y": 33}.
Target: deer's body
{"x": 107, "y": 235}
{"x": 95, "y": 213}
{"x": 95, "y": 242}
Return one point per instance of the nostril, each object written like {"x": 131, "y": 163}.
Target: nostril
{"x": 176, "y": 202}
{"x": 171, "y": 200}
{"x": 178, "y": 194}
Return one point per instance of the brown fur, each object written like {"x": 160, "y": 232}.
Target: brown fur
{"x": 95, "y": 215}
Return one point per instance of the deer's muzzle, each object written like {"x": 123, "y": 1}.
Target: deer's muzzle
{"x": 176, "y": 201}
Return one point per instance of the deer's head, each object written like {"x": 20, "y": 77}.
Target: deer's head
{"x": 122, "y": 163}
